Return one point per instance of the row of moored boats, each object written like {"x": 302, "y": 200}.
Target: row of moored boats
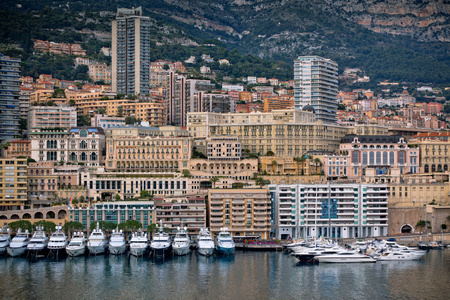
{"x": 325, "y": 251}
{"x": 139, "y": 245}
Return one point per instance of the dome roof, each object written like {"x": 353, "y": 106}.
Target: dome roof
{"x": 217, "y": 110}
{"x": 309, "y": 108}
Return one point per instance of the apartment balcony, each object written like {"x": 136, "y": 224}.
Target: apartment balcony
{"x": 218, "y": 213}
{"x": 216, "y": 219}
{"x": 261, "y": 212}
{"x": 238, "y": 213}
{"x": 370, "y": 213}
{"x": 262, "y": 219}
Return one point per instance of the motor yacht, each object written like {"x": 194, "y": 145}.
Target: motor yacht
{"x": 345, "y": 257}
{"x": 77, "y": 245}
{"x": 58, "y": 242}
{"x": 401, "y": 255}
{"x": 117, "y": 243}
{"x": 161, "y": 243}
{"x": 224, "y": 242}
{"x": 19, "y": 243}
{"x": 205, "y": 243}
{"x": 308, "y": 254}
{"x": 139, "y": 243}
{"x": 5, "y": 239}
{"x": 181, "y": 244}
{"x": 38, "y": 243}
{"x": 97, "y": 243}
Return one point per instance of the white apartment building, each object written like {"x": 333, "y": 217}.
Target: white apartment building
{"x": 316, "y": 84}
{"x": 105, "y": 121}
{"x": 329, "y": 210}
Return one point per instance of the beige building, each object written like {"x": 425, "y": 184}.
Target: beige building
{"x": 13, "y": 183}
{"x": 368, "y": 129}
{"x": 140, "y": 148}
{"x": 180, "y": 212}
{"x": 42, "y": 184}
{"x": 434, "y": 148}
{"x": 100, "y": 72}
{"x": 288, "y": 133}
{"x": 418, "y": 194}
{"x": 52, "y": 116}
{"x": 18, "y": 148}
{"x": 40, "y": 96}
{"x": 285, "y": 165}
{"x": 245, "y": 212}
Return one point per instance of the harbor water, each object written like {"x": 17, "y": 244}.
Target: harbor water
{"x": 247, "y": 275}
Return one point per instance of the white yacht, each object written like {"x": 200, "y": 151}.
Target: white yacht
{"x": 58, "y": 241}
{"x": 5, "y": 239}
{"x": 97, "y": 242}
{"x": 224, "y": 242}
{"x": 182, "y": 243}
{"x": 161, "y": 243}
{"x": 139, "y": 243}
{"x": 38, "y": 243}
{"x": 396, "y": 255}
{"x": 77, "y": 245}
{"x": 117, "y": 243}
{"x": 19, "y": 243}
{"x": 205, "y": 243}
{"x": 345, "y": 257}
{"x": 308, "y": 254}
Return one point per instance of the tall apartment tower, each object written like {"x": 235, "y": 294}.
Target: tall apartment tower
{"x": 131, "y": 52}
{"x": 316, "y": 85}
{"x": 9, "y": 98}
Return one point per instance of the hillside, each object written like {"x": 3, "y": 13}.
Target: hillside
{"x": 389, "y": 39}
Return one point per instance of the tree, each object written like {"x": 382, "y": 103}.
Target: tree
{"x": 274, "y": 166}
{"x": 214, "y": 180}
{"x": 83, "y": 120}
{"x": 151, "y": 229}
{"x": 130, "y": 226}
{"x": 421, "y": 225}
{"x": 260, "y": 181}
{"x": 301, "y": 160}
{"x": 49, "y": 227}
{"x": 144, "y": 194}
{"x": 71, "y": 226}
{"x": 317, "y": 164}
{"x": 117, "y": 197}
{"x": 270, "y": 153}
{"x": 103, "y": 225}
{"x": 22, "y": 224}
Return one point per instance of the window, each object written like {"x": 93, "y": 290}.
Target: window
{"x": 83, "y": 133}
{"x": 364, "y": 158}
{"x": 371, "y": 158}
{"x": 355, "y": 157}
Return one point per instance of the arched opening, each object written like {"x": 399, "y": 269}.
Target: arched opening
{"x": 38, "y": 215}
{"x": 62, "y": 214}
{"x": 426, "y": 169}
{"x": 15, "y": 217}
{"x": 50, "y": 215}
{"x": 406, "y": 229}
{"x": 26, "y": 216}
{"x": 3, "y": 217}
{"x": 433, "y": 168}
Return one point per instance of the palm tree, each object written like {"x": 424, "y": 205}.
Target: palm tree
{"x": 317, "y": 164}
{"x": 151, "y": 229}
{"x": 274, "y": 164}
{"x": 214, "y": 180}
{"x": 259, "y": 181}
{"x": 300, "y": 159}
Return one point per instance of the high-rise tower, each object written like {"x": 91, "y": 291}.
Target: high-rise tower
{"x": 9, "y": 97}
{"x": 316, "y": 84}
{"x": 131, "y": 52}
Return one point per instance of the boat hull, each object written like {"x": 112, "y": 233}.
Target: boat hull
{"x": 117, "y": 250}
{"x": 206, "y": 251}
{"x": 16, "y": 251}
{"x": 2, "y": 250}
{"x": 95, "y": 250}
{"x": 138, "y": 251}
{"x": 181, "y": 250}
{"x": 305, "y": 257}
{"x": 345, "y": 260}
{"x": 225, "y": 251}
{"x": 72, "y": 252}
{"x": 161, "y": 251}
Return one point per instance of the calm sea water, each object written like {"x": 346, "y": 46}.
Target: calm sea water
{"x": 247, "y": 275}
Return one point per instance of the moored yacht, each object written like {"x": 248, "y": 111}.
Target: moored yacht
{"x": 205, "y": 243}
{"x": 5, "y": 239}
{"x": 181, "y": 244}
{"x": 97, "y": 242}
{"x": 19, "y": 243}
{"x": 224, "y": 242}
{"x": 139, "y": 243}
{"x": 117, "y": 243}
{"x": 399, "y": 255}
{"x": 345, "y": 257}
{"x": 161, "y": 243}
{"x": 77, "y": 245}
{"x": 38, "y": 243}
{"x": 58, "y": 241}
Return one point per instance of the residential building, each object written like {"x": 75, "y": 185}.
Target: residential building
{"x": 42, "y": 184}
{"x": 316, "y": 84}
{"x": 331, "y": 210}
{"x": 288, "y": 133}
{"x": 18, "y": 148}
{"x": 245, "y": 212}
{"x": 276, "y": 103}
{"x": 130, "y": 52}
{"x": 434, "y": 148}
{"x": 24, "y": 102}
{"x": 180, "y": 212}
{"x": 100, "y": 72}
{"x": 139, "y": 148}
{"x": 115, "y": 212}
{"x": 105, "y": 121}
{"x": 41, "y": 96}
{"x": 13, "y": 183}
{"x": 382, "y": 153}
{"x": 9, "y": 98}
{"x": 229, "y": 87}
{"x": 77, "y": 145}
{"x": 52, "y": 116}
{"x": 59, "y": 48}
{"x": 286, "y": 166}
